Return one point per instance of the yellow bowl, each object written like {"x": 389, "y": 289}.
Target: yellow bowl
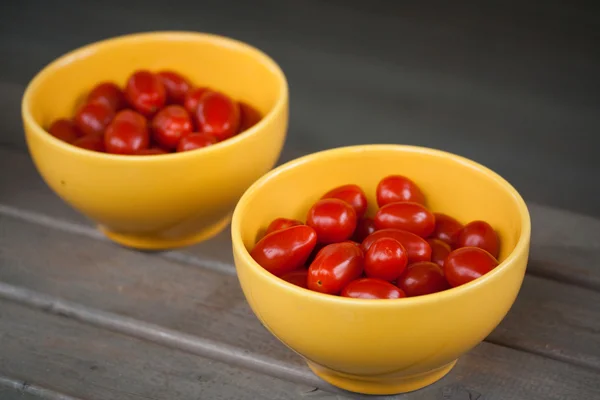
{"x": 383, "y": 346}
{"x": 158, "y": 202}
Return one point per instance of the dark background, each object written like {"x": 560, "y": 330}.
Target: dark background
{"x": 511, "y": 84}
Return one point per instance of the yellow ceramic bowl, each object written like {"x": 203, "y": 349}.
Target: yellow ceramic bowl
{"x": 157, "y": 202}
{"x": 383, "y": 346}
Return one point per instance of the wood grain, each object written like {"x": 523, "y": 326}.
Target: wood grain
{"x": 510, "y": 84}
{"x": 564, "y": 246}
{"x": 81, "y": 361}
{"x": 207, "y": 303}
{"x": 490, "y": 371}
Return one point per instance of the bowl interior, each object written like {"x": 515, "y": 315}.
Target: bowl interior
{"x": 451, "y": 184}
{"x": 232, "y": 67}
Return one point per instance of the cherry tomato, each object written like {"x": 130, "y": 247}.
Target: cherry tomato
{"x": 412, "y": 217}
{"x": 298, "y": 278}
{"x": 218, "y": 115}
{"x": 335, "y": 266}
{"x": 281, "y": 223}
{"x": 370, "y": 288}
{"x": 109, "y": 94}
{"x": 170, "y": 124}
{"x": 364, "y": 227}
{"x": 422, "y": 278}
{"x": 195, "y": 141}
{"x": 466, "y": 264}
{"x": 479, "y": 234}
{"x": 175, "y": 85}
{"x": 439, "y": 251}
{"x": 153, "y": 151}
{"x": 145, "y": 92}
{"x": 416, "y": 247}
{"x": 396, "y": 188}
{"x": 334, "y": 220}
{"x": 351, "y": 194}
{"x": 64, "y": 130}
{"x": 127, "y": 133}
{"x": 446, "y": 228}
{"x": 90, "y": 142}
{"x": 249, "y": 116}
{"x": 286, "y": 250}
{"x": 386, "y": 259}
{"x": 192, "y": 99}
{"x": 93, "y": 118}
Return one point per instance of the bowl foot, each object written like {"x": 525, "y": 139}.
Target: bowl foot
{"x": 157, "y": 242}
{"x": 380, "y": 385}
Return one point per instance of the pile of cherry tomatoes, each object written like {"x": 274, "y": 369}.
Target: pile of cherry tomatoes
{"x": 405, "y": 250}
{"x": 156, "y": 113}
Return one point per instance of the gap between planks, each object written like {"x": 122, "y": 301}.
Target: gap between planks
{"x": 22, "y": 387}
{"x": 159, "y": 335}
{"x": 534, "y": 267}
{"x": 78, "y": 229}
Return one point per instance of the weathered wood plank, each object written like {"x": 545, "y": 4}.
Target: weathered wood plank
{"x": 493, "y": 372}
{"x": 81, "y": 361}
{"x": 565, "y": 247}
{"x": 209, "y": 304}
{"x": 17, "y": 389}
{"x": 544, "y": 333}
{"x": 564, "y": 244}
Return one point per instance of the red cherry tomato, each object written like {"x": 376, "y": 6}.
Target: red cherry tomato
{"x": 446, "y": 229}
{"x": 286, "y": 250}
{"x": 249, "y": 116}
{"x": 281, "y": 223}
{"x": 412, "y": 217}
{"x": 175, "y": 85}
{"x": 439, "y": 251}
{"x": 218, "y": 115}
{"x": 64, "y": 130}
{"x": 335, "y": 266}
{"x": 351, "y": 194}
{"x": 364, "y": 227}
{"x": 334, "y": 220}
{"x": 370, "y": 288}
{"x": 93, "y": 118}
{"x": 466, "y": 264}
{"x": 109, "y": 94}
{"x": 145, "y": 92}
{"x": 298, "y": 278}
{"x": 422, "y": 278}
{"x": 127, "y": 133}
{"x": 195, "y": 141}
{"x": 416, "y": 247}
{"x": 150, "y": 152}
{"x": 192, "y": 99}
{"x": 386, "y": 259}
{"x": 479, "y": 234}
{"x": 396, "y": 188}
{"x": 170, "y": 124}
{"x": 90, "y": 142}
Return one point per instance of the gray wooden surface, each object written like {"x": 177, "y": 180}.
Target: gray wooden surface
{"x": 508, "y": 84}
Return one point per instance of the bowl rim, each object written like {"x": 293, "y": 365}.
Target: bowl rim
{"x": 188, "y": 36}
{"x": 520, "y": 248}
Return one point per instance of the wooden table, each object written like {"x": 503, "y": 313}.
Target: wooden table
{"x": 82, "y": 318}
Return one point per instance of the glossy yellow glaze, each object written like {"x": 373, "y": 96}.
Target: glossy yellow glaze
{"x": 157, "y": 202}
{"x": 383, "y": 346}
